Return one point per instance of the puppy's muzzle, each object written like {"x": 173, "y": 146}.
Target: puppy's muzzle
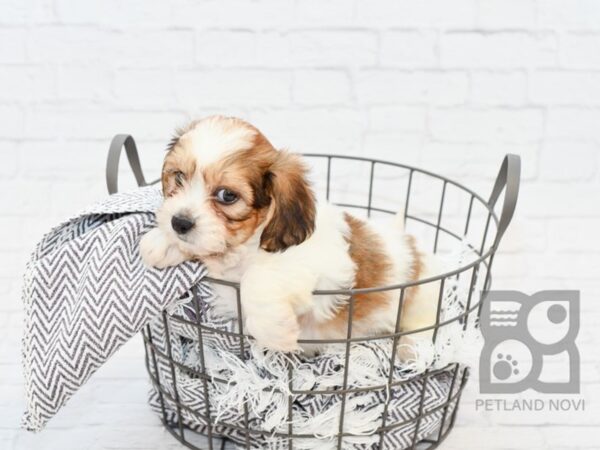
{"x": 182, "y": 224}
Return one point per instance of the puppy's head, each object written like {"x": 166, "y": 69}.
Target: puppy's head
{"x": 224, "y": 182}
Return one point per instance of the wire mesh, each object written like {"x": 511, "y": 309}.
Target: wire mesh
{"x": 384, "y": 185}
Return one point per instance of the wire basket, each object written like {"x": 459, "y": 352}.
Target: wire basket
{"x": 443, "y": 213}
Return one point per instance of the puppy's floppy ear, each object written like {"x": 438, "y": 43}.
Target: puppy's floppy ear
{"x": 293, "y": 204}
{"x": 167, "y": 180}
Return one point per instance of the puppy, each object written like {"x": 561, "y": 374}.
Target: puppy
{"x": 247, "y": 211}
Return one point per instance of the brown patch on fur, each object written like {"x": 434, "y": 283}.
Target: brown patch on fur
{"x": 373, "y": 267}
{"x": 293, "y": 212}
{"x": 177, "y": 160}
{"x": 244, "y": 172}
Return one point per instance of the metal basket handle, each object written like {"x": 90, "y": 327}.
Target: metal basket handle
{"x": 508, "y": 179}
{"x": 112, "y": 163}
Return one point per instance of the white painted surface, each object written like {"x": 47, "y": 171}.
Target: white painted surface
{"x": 449, "y": 86}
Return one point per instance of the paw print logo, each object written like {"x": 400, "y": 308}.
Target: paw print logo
{"x": 505, "y": 367}
{"x": 520, "y": 332}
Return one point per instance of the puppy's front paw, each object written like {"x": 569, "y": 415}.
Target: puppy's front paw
{"x": 280, "y": 335}
{"x": 417, "y": 347}
{"x": 156, "y": 251}
{"x": 406, "y": 349}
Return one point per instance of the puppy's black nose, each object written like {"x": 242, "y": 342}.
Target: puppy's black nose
{"x": 182, "y": 224}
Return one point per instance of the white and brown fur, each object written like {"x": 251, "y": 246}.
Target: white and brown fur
{"x": 279, "y": 244}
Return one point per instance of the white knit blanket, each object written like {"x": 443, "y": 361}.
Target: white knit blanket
{"x": 261, "y": 383}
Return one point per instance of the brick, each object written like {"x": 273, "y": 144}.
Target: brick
{"x": 321, "y": 87}
{"x": 105, "y": 47}
{"x": 242, "y": 88}
{"x": 241, "y": 48}
{"x": 54, "y": 44}
{"x": 572, "y": 266}
{"x": 573, "y": 122}
{"x": 498, "y": 88}
{"x": 34, "y": 230}
{"x": 478, "y": 125}
{"x": 153, "y": 48}
{"x": 85, "y": 83}
{"x": 554, "y": 200}
{"x": 84, "y": 124}
{"x": 14, "y": 305}
{"x": 400, "y": 118}
{"x": 409, "y": 49}
{"x": 569, "y": 234}
{"x": 323, "y": 13}
{"x": 525, "y": 237}
{"x": 404, "y": 13}
{"x": 63, "y": 161}
{"x": 29, "y": 83}
{"x": 511, "y": 265}
{"x": 13, "y": 45}
{"x": 498, "y": 50}
{"x": 404, "y": 148}
{"x": 144, "y": 88}
{"x": 318, "y": 130}
{"x": 5, "y": 286}
{"x": 13, "y": 12}
{"x": 71, "y": 196}
{"x": 12, "y": 263}
{"x": 565, "y": 88}
{"x": 574, "y": 14}
{"x": 390, "y": 87}
{"x": 12, "y": 119}
{"x": 147, "y": 125}
{"x": 580, "y": 51}
{"x": 479, "y": 162}
{"x": 398, "y": 13}
{"x": 70, "y": 12}
{"x": 138, "y": 13}
{"x": 10, "y": 159}
{"x": 42, "y": 11}
{"x": 24, "y": 198}
{"x": 262, "y": 14}
{"x": 499, "y": 14}
{"x": 568, "y": 161}
{"x": 272, "y": 50}
{"x": 331, "y": 48}
{"x": 226, "y": 48}
{"x": 13, "y": 227}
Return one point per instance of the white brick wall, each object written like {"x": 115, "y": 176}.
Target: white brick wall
{"x": 449, "y": 86}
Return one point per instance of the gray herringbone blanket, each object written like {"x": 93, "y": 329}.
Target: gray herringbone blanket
{"x": 86, "y": 293}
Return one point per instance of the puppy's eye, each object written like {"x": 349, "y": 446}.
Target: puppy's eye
{"x": 225, "y": 196}
{"x": 179, "y": 178}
